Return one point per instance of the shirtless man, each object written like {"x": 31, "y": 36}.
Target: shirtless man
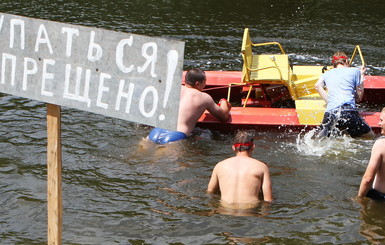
{"x": 193, "y": 103}
{"x": 240, "y": 179}
{"x": 373, "y": 181}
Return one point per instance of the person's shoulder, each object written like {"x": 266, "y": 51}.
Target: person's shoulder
{"x": 259, "y": 163}
{"x": 326, "y": 73}
{"x": 331, "y": 73}
{"x": 257, "y": 167}
{"x": 196, "y": 93}
{"x": 205, "y": 99}
{"x": 205, "y": 95}
{"x": 379, "y": 144}
{"x": 225, "y": 161}
{"x": 380, "y": 140}
{"x": 353, "y": 70}
{"x": 224, "y": 165}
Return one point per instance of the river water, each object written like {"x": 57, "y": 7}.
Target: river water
{"x": 119, "y": 191}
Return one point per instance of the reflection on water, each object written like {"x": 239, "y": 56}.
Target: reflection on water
{"x": 372, "y": 227}
{"x": 117, "y": 190}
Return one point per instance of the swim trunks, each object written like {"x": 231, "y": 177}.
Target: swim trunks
{"x": 164, "y": 136}
{"x": 376, "y": 195}
{"x": 343, "y": 119}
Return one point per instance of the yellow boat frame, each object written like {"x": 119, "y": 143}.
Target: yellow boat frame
{"x": 275, "y": 68}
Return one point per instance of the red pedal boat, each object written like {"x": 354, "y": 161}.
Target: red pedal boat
{"x": 270, "y": 93}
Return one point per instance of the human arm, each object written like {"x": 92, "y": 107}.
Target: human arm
{"x": 213, "y": 186}
{"x": 320, "y": 87}
{"x": 267, "y": 189}
{"x": 360, "y": 87}
{"x": 371, "y": 169}
{"x": 221, "y": 111}
{"x": 359, "y": 92}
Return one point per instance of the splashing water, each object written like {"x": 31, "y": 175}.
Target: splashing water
{"x": 308, "y": 144}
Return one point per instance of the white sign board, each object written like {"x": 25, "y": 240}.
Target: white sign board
{"x": 127, "y": 76}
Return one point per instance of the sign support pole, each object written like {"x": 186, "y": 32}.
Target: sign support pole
{"x": 54, "y": 178}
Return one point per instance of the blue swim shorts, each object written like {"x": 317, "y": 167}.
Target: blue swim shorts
{"x": 164, "y": 136}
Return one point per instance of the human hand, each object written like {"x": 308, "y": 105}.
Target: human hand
{"x": 228, "y": 103}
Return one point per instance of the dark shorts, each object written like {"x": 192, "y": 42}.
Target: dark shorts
{"x": 345, "y": 119}
{"x": 376, "y": 195}
{"x": 164, "y": 136}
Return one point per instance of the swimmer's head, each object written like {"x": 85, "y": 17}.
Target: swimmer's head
{"x": 339, "y": 58}
{"x": 244, "y": 140}
{"x": 195, "y": 75}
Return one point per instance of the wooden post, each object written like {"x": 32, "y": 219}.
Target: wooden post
{"x": 54, "y": 179}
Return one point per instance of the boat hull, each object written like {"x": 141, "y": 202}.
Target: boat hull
{"x": 269, "y": 118}
{"x": 262, "y": 118}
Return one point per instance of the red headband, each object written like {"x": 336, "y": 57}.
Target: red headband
{"x": 335, "y": 58}
{"x": 243, "y": 144}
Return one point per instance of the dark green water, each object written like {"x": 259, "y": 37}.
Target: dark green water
{"x": 117, "y": 192}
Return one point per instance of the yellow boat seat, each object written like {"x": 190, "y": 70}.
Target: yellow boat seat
{"x": 268, "y": 69}
{"x": 263, "y": 68}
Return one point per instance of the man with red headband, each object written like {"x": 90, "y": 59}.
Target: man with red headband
{"x": 345, "y": 87}
{"x": 241, "y": 179}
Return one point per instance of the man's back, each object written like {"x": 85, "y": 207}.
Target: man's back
{"x": 341, "y": 84}
{"x": 240, "y": 179}
{"x": 192, "y": 105}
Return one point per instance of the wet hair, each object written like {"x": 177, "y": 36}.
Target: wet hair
{"x": 244, "y": 140}
{"x": 339, "y": 58}
{"x": 195, "y": 75}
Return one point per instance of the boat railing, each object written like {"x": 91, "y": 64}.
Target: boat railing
{"x": 269, "y": 43}
{"x": 357, "y": 49}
